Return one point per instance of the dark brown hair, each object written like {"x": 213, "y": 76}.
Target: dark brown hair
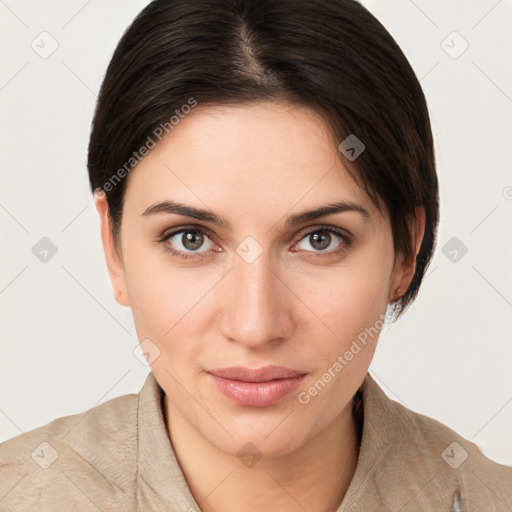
{"x": 330, "y": 55}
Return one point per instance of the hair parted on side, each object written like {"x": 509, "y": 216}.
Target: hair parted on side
{"x": 333, "y": 56}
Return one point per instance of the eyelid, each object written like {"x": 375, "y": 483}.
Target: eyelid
{"x": 170, "y": 232}
{"x": 345, "y": 236}
{"x": 167, "y": 233}
{"x": 324, "y": 227}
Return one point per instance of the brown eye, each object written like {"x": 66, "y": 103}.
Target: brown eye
{"x": 324, "y": 241}
{"x": 192, "y": 241}
{"x": 188, "y": 241}
{"x": 320, "y": 240}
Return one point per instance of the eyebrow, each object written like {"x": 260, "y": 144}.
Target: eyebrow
{"x": 173, "y": 207}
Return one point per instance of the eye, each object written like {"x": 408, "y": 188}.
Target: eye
{"x": 186, "y": 242}
{"x": 325, "y": 240}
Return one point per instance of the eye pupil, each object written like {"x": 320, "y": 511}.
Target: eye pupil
{"x": 192, "y": 240}
{"x": 320, "y": 238}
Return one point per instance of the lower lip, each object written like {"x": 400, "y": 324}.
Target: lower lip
{"x": 257, "y": 394}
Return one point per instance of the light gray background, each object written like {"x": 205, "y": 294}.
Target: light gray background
{"x": 66, "y": 345}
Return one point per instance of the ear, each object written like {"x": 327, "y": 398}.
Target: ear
{"x": 114, "y": 261}
{"x": 405, "y": 268}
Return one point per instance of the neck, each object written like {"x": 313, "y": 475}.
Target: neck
{"x": 314, "y": 477}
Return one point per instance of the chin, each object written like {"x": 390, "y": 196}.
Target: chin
{"x": 269, "y": 437}
{"x": 259, "y": 446}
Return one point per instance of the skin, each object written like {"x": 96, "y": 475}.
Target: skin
{"x": 297, "y": 305}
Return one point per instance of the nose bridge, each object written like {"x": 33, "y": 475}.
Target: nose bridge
{"x": 256, "y": 311}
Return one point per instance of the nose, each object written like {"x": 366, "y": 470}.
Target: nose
{"x": 256, "y": 304}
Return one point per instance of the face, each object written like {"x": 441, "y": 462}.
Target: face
{"x": 253, "y": 284}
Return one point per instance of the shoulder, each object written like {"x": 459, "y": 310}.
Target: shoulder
{"x": 430, "y": 456}
{"x": 430, "y": 436}
{"x": 97, "y": 448}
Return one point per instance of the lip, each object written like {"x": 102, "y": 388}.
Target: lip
{"x": 259, "y": 387}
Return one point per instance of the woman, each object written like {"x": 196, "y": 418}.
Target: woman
{"x": 265, "y": 179}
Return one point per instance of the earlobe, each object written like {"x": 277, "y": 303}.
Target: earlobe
{"x": 112, "y": 258}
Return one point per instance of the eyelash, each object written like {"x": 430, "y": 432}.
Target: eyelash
{"x": 344, "y": 245}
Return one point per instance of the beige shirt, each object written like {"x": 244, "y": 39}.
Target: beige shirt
{"x": 117, "y": 456}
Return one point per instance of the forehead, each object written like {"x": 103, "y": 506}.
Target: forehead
{"x": 265, "y": 155}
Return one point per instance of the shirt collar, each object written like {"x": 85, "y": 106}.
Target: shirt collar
{"x": 160, "y": 480}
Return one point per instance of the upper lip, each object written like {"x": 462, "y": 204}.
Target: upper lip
{"x": 263, "y": 374}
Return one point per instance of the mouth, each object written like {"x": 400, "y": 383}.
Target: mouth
{"x": 260, "y": 387}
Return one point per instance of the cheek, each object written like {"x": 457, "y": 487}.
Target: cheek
{"x": 351, "y": 308}
{"x": 160, "y": 294}
{"x": 335, "y": 303}
{"x": 164, "y": 300}
{"x": 350, "y": 297}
